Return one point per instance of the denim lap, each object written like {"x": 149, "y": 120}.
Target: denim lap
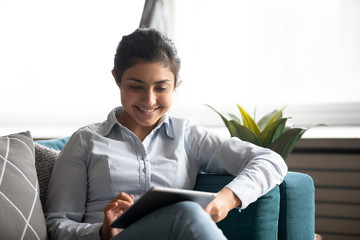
{"x": 180, "y": 221}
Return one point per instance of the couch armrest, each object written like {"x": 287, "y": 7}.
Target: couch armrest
{"x": 258, "y": 221}
{"x": 297, "y": 207}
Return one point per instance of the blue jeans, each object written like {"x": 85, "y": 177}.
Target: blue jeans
{"x": 180, "y": 221}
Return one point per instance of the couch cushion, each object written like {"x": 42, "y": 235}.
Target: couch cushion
{"x": 21, "y": 215}
{"x": 258, "y": 221}
{"x": 57, "y": 143}
{"x": 44, "y": 162}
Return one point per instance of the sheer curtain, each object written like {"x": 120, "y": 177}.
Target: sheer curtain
{"x": 159, "y": 14}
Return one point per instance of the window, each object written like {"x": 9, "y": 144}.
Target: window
{"x": 56, "y": 58}
{"x": 301, "y": 54}
{"x": 56, "y": 61}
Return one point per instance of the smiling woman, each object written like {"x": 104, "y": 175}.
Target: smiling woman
{"x": 146, "y": 70}
{"x": 140, "y": 146}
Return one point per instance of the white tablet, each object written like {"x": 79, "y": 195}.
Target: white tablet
{"x": 158, "y": 197}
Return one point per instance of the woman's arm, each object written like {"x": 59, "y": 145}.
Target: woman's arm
{"x": 67, "y": 194}
{"x": 256, "y": 170}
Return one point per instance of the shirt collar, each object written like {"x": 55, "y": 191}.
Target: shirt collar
{"x": 165, "y": 121}
{"x": 106, "y": 126}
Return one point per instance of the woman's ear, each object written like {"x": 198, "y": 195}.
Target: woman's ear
{"x": 114, "y": 75}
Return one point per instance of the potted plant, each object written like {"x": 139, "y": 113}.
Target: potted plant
{"x": 269, "y": 132}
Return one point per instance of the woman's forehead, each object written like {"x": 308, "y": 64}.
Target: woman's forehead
{"x": 144, "y": 72}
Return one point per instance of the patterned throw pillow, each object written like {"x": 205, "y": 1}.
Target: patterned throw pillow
{"x": 21, "y": 214}
{"x": 44, "y": 162}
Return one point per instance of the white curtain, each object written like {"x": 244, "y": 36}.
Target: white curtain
{"x": 159, "y": 14}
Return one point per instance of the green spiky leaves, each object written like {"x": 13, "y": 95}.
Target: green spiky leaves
{"x": 268, "y": 132}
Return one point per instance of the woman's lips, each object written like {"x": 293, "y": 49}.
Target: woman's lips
{"x": 147, "y": 110}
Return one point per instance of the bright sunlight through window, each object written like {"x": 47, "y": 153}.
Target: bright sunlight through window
{"x": 56, "y": 59}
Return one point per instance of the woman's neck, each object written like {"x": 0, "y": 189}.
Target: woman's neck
{"x": 140, "y": 131}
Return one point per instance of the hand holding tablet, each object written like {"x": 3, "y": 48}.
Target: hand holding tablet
{"x": 158, "y": 197}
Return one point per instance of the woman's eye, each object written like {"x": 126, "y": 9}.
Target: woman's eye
{"x": 136, "y": 87}
{"x": 161, "y": 89}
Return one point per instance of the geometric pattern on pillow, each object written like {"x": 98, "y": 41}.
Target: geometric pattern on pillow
{"x": 44, "y": 162}
{"x": 21, "y": 214}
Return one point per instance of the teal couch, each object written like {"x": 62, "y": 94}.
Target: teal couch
{"x": 287, "y": 212}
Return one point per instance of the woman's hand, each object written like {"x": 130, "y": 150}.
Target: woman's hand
{"x": 222, "y": 204}
{"x": 112, "y": 211}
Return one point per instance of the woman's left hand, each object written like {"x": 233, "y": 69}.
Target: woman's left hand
{"x": 222, "y": 204}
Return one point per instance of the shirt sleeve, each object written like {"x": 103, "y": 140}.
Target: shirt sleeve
{"x": 257, "y": 170}
{"x": 67, "y": 192}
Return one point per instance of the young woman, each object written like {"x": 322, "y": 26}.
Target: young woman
{"x": 106, "y": 166}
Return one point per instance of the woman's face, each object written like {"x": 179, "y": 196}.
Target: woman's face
{"x": 146, "y": 94}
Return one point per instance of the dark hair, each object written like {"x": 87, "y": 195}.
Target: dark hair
{"x": 146, "y": 44}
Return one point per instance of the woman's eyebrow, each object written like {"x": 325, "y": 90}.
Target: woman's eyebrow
{"x": 142, "y": 82}
{"x": 162, "y": 81}
{"x": 136, "y": 80}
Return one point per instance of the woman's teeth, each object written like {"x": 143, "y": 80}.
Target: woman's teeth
{"x": 147, "y": 110}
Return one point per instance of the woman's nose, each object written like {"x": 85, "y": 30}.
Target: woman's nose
{"x": 150, "y": 98}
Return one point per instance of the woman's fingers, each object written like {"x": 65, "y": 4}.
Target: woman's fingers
{"x": 123, "y": 205}
{"x": 222, "y": 204}
{"x": 215, "y": 211}
{"x": 119, "y": 204}
{"x": 110, "y": 206}
{"x": 125, "y": 197}
{"x": 117, "y": 208}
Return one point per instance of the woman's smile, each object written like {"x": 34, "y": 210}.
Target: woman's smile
{"x": 147, "y": 110}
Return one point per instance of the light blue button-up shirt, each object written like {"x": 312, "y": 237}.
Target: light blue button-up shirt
{"x": 101, "y": 160}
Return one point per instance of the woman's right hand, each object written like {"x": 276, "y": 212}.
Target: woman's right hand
{"x": 112, "y": 211}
